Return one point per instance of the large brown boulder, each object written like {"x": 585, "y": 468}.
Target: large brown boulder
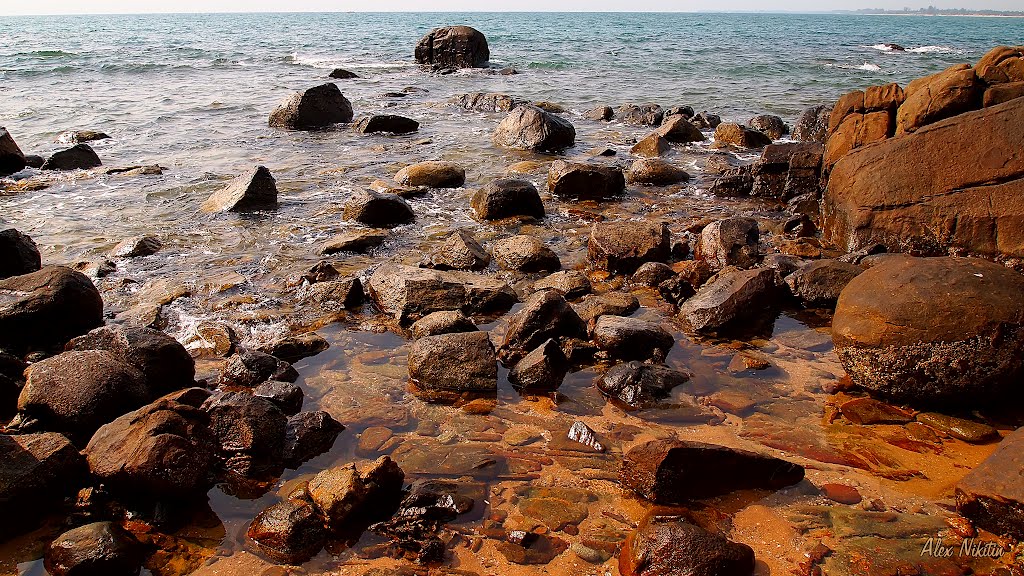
{"x": 787, "y": 170}
{"x": 408, "y": 293}
{"x": 446, "y": 366}
{"x": 453, "y": 47}
{"x": 530, "y": 128}
{"x": 956, "y": 185}
{"x": 621, "y": 247}
{"x": 291, "y": 531}
{"x": 729, "y": 242}
{"x": 78, "y": 157}
{"x": 1001, "y": 64}
{"x": 166, "y": 363}
{"x": 317, "y": 107}
{"x": 97, "y": 548}
{"x": 38, "y": 471}
{"x": 585, "y": 181}
{"x": 433, "y": 174}
{"x": 11, "y": 157}
{"x": 544, "y": 315}
{"x": 507, "y": 198}
{"x": 678, "y": 128}
{"x": 250, "y": 432}
{"x": 377, "y": 209}
{"x": 953, "y": 91}
{"x": 672, "y": 546}
{"x": 812, "y": 126}
{"x": 933, "y": 330}
{"x": 730, "y": 297}
{"x": 860, "y": 118}
{"x": 739, "y": 135}
{"x": 992, "y": 495}
{"x": 18, "y": 254}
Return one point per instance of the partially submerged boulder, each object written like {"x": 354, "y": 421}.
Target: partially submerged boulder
{"x": 621, "y": 247}
{"x": 453, "y": 47}
{"x": 18, "y": 254}
{"x": 992, "y": 495}
{"x": 390, "y": 123}
{"x": 96, "y": 548}
{"x": 654, "y": 171}
{"x": 312, "y": 109}
{"x": 460, "y": 251}
{"x": 681, "y": 130}
{"x": 638, "y": 385}
{"x": 769, "y": 125}
{"x": 819, "y": 283}
{"x": 729, "y": 298}
{"x": 11, "y": 157}
{"x": 448, "y": 366}
{"x": 408, "y": 293}
{"x": 544, "y": 315}
{"x": 254, "y": 190}
{"x": 632, "y": 338}
{"x": 166, "y": 364}
{"x": 671, "y": 545}
{"x": 78, "y": 157}
{"x": 432, "y": 174}
{"x": 507, "y": 198}
{"x": 543, "y": 369}
{"x": 39, "y": 471}
{"x": 585, "y": 181}
{"x": 812, "y": 126}
{"x": 739, "y": 135}
{"x": 249, "y": 432}
{"x": 377, "y": 209}
{"x": 640, "y": 114}
{"x": 291, "y": 531}
{"x": 529, "y": 128}
{"x": 523, "y": 253}
{"x": 729, "y": 242}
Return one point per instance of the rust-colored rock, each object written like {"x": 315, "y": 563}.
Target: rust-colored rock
{"x": 672, "y": 546}
{"x": 951, "y": 92}
{"x": 1002, "y": 93}
{"x": 1001, "y": 64}
{"x": 992, "y": 495}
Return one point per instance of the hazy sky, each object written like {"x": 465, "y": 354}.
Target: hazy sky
{"x": 8, "y": 7}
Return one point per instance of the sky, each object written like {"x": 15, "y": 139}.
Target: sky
{"x": 13, "y": 7}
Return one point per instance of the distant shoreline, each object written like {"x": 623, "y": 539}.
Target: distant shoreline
{"x": 736, "y": 12}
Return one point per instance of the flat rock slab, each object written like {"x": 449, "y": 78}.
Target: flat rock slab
{"x": 992, "y": 495}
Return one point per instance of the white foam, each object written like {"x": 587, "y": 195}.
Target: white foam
{"x": 867, "y": 67}
{"x": 935, "y": 50}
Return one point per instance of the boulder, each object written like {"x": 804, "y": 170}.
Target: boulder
{"x": 651, "y": 146}
{"x": 706, "y": 120}
{"x": 18, "y": 254}
{"x": 78, "y": 157}
{"x": 507, "y": 198}
{"x": 729, "y": 242}
{"x": 571, "y": 284}
{"x": 600, "y": 114}
{"x": 97, "y": 548}
{"x": 487, "y": 102}
{"x": 861, "y": 118}
{"x": 346, "y": 497}
{"x": 953, "y": 91}
{"x": 308, "y": 435}
{"x": 78, "y": 136}
{"x": 291, "y": 532}
{"x": 249, "y": 431}
{"x": 672, "y": 546}
{"x": 249, "y": 368}
{"x": 651, "y": 274}
{"x": 529, "y": 128}
{"x": 254, "y": 190}
{"x": 451, "y": 365}
{"x": 390, "y": 123}
{"x": 955, "y": 185}
{"x": 632, "y": 338}
{"x": 38, "y": 471}
{"x": 137, "y": 246}
{"x": 286, "y": 396}
{"x": 684, "y": 111}
{"x": 640, "y": 115}
{"x": 376, "y": 209}
{"x": 453, "y": 47}
{"x": 681, "y": 130}
{"x": 460, "y": 251}
{"x": 544, "y": 315}
{"x": 656, "y": 172}
{"x": 1001, "y": 64}
{"x": 166, "y": 364}
{"x": 525, "y": 254}
{"x": 333, "y": 296}
{"x": 162, "y": 449}
{"x": 992, "y": 494}
{"x": 432, "y": 174}
{"x": 933, "y": 330}
{"x": 443, "y": 322}
{"x": 359, "y": 241}
{"x": 408, "y": 293}
{"x": 312, "y": 109}
{"x": 733, "y": 295}
{"x": 342, "y": 74}
{"x": 11, "y": 157}
{"x": 621, "y": 247}
{"x": 77, "y": 392}
{"x": 812, "y": 126}
{"x": 741, "y": 136}
{"x": 584, "y": 181}
{"x": 1002, "y": 93}
{"x": 671, "y": 471}
{"x": 733, "y": 183}
{"x": 769, "y": 125}
{"x": 542, "y": 370}
{"x": 819, "y": 283}
{"x": 606, "y": 304}
{"x": 638, "y": 385}
{"x": 787, "y": 170}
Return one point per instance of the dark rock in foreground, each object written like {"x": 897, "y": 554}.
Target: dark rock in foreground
{"x": 78, "y": 157}
{"x": 507, "y": 198}
{"x": 387, "y": 123}
{"x": 632, "y": 338}
{"x": 291, "y": 531}
{"x": 676, "y": 471}
{"x": 530, "y": 128}
{"x": 254, "y": 190}
{"x": 317, "y": 107}
{"x": 819, "y": 283}
{"x": 992, "y": 495}
{"x": 621, "y": 247}
{"x": 812, "y": 126}
{"x": 38, "y": 471}
{"x": 731, "y": 296}
{"x": 453, "y": 47}
{"x": 639, "y": 385}
{"x": 376, "y": 209}
{"x": 433, "y": 174}
{"x": 308, "y": 435}
{"x": 769, "y": 125}
{"x": 11, "y": 157}
{"x": 93, "y": 549}
{"x": 583, "y": 181}
{"x": 408, "y": 293}
{"x": 166, "y": 364}
{"x": 448, "y": 366}
{"x": 672, "y": 546}
{"x": 18, "y": 254}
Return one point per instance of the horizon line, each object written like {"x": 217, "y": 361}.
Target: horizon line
{"x": 796, "y": 12}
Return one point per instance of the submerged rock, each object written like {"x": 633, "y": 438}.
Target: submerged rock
{"x": 632, "y": 338}
{"x": 992, "y": 495}
{"x": 453, "y": 47}
{"x": 291, "y": 532}
{"x": 621, "y": 247}
{"x": 639, "y": 385}
{"x": 408, "y": 293}
{"x": 672, "y": 546}
{"x": 433, "y": 174}
{"x": 308, "y": 435}
{"x": 346, "y": 497}
{"x": 583, "y": 181}
{"x": 600, "y": 114}
{"x": 677, "y": 471}
{"x": 11, "y": 157}
{"x": 529, "y": 128}
{"x": 93, "y": 549}
{"x": 312, "y": 109}
{"x": 390, "y": 123}
{"x": 254, "y": 190}
{"x": 507, "y": 198}
{"x": 354, "y": 241}
{"x": 732, "y": 296}
{"x": 18, "y": 254}
{"x": 451, "y": 365}
{"x": 342, "y": 74}
{"x": 376, "y": 209}
{"x": 78, "y": 157}
{"x": 525, "y": 254}
{"x": 137, "y": 246}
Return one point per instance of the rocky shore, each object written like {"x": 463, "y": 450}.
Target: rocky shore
{"x": 815, "y": 375}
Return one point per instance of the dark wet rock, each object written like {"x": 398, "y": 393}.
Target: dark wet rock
{"x": 162, "y": 449}
{"x": 788, "y": 170}
{"x": 38, "y": 471}
{"x": 376, "y": 209}
{"x": 676, "y": 471}
{"x": 507, "y": 198}
{"x": 525, "y": 254}
{"x": 606, "y": 304}
{"x": 308, "y": 435}
{"x": 343, "y": 494}
{"x": 389, "y": 123}
{"x": 408, "y": 293}
{"x": 640, "y": 115}
{"x": 487, "y": 102}
{"x": 632, "y": 338}
{"x": 460, "y": 251}
{"x": 286, "y": 396}
{"x": 291, "y": 531}
{"x": 18, "y": 254}
{"x": 782, "y": 263}
{"x": 600, "y": 114}
{"x": 676, "y": 289}
{"x": 871, "y": 411}
{"x": 249, "y": 368}
{"x": 453, "y": 47}
{"x": 819, "y": 283}
{"x": 342, "y": 74}
{"x": 453, "y": 364}
{"x": 543, "y": 369}
{"x": 933, "y": 330}
{"x": 992, "y": 495}
{"x": 77, "y": 392}
{"x": 442, "y": 322}
{"x": 429, "y": 505}
{"x": 166, "y": 364}
{"x": 656, "y": 172}
{"x": 550, "y": 107}
{"x": 769, "y": 125}
{"x": 684, "y": 111}
{"x": 312, "y": 109}
{"x": 433, "y": 174}
{"x": 530, "y": 548}
{"x": 295, "y": 348}
{"x": 967, "y": 430}
{"x": 354, "y": 241}
{"x": 386, "y": 187}
{"x": 812, "y": 126}
{"x": 254, "y": 190}
{"x": 11, "y": 157}
{"x": 621, "y": 247}
{"x": 79, "y": 136}
{"x": 571, "y": 284}
{"x": 652, "y": 274}
{"x": 706, "y": 120}
{"x": 93, "y": 549}
{"x": 137, "y": 246}
{"x": 584, "y": 181}
{"x": 639, "y": 385}
{"x": 671, "y": 546}
{"x": 733, "y": 183}
{"x": 544, "y": 315}
{"x": 34, "y": 161}
{"x": 681, "y": 130}
{"x": 529, "y": 128}
{"x": 78, "y": 157}
{"x": 651, "y": 146}
{"x": 729, "y": 242}
{"x": 741, "y": 136}
{"x": 250, "y": 431}
{"x": 731, "y": 297}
